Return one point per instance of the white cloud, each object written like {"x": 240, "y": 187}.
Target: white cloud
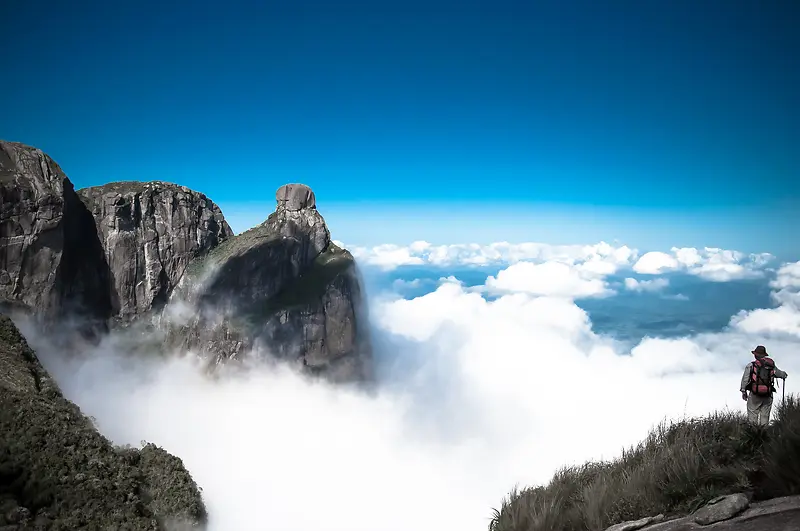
{"x": 787, "y": 277}
{"x": 782, "y": 320}
{"x": 710, "y": 263}
{"x": 475, "y": 396}
{"x": 656, "y": 284}
{"x": 599, "y": 257}
{"x": 654, "y": 263}
{"x": 549, "y": 278}
{"x": 602, "y": 259}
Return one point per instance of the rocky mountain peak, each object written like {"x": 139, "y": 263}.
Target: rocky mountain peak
{"x": 295, "y": 197}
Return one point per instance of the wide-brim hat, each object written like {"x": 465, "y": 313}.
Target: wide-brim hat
{"x": 760, "y": 351}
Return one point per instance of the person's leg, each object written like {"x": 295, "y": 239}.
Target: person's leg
{"x": 765, "y": 410}
{"x": 752, "y": 408}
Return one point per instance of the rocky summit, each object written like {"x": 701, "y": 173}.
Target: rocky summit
{"x": 160, "y": 253}
{"x": 282, "y": 285}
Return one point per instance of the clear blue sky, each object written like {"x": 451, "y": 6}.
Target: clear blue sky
{"x": 505, "y": 118}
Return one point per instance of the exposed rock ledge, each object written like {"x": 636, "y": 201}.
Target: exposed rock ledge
{"x": 728, "y": 513}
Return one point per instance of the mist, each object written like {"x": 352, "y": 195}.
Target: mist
{"x": 474, "y": 396}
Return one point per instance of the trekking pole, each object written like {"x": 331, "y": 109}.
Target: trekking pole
{"x": 783, "y": 388}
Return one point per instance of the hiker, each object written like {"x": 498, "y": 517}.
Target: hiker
{"x": 759, "y": 378}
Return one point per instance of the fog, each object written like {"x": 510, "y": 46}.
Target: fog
{"x": 473, "y": 398}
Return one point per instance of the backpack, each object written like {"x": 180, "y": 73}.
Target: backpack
{"x": 762, "y": 376}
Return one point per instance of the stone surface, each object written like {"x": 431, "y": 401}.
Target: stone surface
{"x": 50, "y": 259}
{"x": 282, "y": 287}
{"x": 58, "y": 472}
{"x": 156, "y": 250}
{"x": 635, "y": 525}
{"x": 779, "y": 514}
{"x": 721, "y": 508}
{"x": 150, "y": 232}
{"x": 295, "y": 196}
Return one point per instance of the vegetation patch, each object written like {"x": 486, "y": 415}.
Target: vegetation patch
{"x": 678, "y": 468}
{"x": 58, "y": 472}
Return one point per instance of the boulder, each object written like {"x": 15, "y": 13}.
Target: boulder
{"x": 150, "y": 231}
{"x": 721, "y": 508}
{"x": 295, "y": 197}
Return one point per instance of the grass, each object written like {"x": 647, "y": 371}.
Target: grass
{"x": 679, "y": 467}
{"x": 58, "y": 472}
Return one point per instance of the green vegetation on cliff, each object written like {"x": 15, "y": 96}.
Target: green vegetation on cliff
{"x": 310, "y": 286}
{"x": 678, "y": 468}
{"x": 58, "y": 472}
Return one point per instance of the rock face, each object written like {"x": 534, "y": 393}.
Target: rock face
{"x": 284, "y": 286}
{"x": 50, "y": 259}
{"x": 734, "y": 513}
{"x": 58, "y": 472}
{"x": 150, "y": 232}
{"x": 124, "y": 250}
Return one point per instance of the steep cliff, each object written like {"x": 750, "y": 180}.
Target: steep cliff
{"x": 58, "y": 472}
{"x": 150, "y": 231}
{"x": 50, "y": 258}
{"x": 282, "y": 286}
{"x": 123, "y": 250}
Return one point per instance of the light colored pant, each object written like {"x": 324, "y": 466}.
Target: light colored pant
{"x": 759, "y": 409}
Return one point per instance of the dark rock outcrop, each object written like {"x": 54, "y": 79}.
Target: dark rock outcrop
{"x": 58, "y": 472}
{"x": 150, "y": 231}
{"x": 734, "y": 513}
{"x": 283, "y": 285}
{"x": 50, "y": 259}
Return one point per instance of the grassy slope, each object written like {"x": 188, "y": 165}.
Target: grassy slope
{"x": 56, "y": 469}
{"x": 675, "y": 470}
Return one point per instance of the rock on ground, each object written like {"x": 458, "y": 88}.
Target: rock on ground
{"x": 721, "y": 508}
{"x": 635, "y": 525}
{"x": 778, "y": 514}
{"x": 58, "y": 472}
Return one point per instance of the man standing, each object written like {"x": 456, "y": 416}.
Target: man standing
{"x": 759, "y": 378}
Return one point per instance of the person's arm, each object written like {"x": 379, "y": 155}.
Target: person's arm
{"x": 745, "y": 381}
{"x": 780, "y": 374}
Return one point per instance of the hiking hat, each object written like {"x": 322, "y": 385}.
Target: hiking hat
{"x": 759, "y": 351}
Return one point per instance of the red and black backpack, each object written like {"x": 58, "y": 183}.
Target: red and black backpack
{"x": 762, "y": 376}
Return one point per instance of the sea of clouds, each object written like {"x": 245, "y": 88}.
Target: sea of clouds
{"x": 481, "y": 388}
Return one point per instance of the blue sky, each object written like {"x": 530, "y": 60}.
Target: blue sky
{"x": 657, "y": 124}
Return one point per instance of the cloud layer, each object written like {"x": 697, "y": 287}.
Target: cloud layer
{"x": 601, "y": 259}
{"x": 476, "y": 395}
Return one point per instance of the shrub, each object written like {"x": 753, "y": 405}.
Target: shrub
{"x": 679, "y": 467}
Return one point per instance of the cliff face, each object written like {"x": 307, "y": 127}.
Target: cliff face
{"x": 283, "y": 286}
{"x": 58, "y": 472}
{"x": 150, "y": 232}
{"x": 50, "y": 259}
{"x": 129, "y": 250}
